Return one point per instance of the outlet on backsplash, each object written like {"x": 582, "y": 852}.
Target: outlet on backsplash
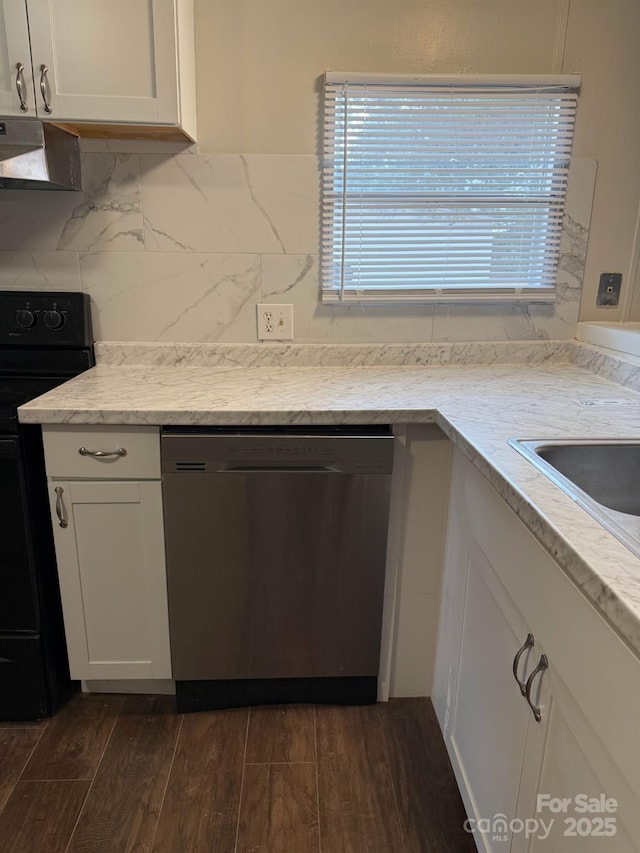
{"x": 275, "y": 322}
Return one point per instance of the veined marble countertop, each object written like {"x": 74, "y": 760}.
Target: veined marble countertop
{"x": 480, "y": 407}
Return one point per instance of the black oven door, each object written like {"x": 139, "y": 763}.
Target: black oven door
{"x": 18, "y": 592}
{"x": 34, "y": 673}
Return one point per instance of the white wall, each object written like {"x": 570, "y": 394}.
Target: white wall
{"x": 603, "y": 44}
{"x": 182, "y": 247}
{"x": 259, "y": 60}
{"x": 418, "y": 532}
{"x": 266, "y": 53}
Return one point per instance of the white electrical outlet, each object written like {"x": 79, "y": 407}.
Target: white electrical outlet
{"x": 275, "y": 322}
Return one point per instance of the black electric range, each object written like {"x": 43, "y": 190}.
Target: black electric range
{"x": 45, "y": 339}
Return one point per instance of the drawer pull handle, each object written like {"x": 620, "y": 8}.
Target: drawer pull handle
{"x": 43, "y": 88}
{"x": 102, "y": 454}
{"x": 542, "y": 666}
{"x": 62, "y": 516}
{"x": 20, "y": 86}
{"x": 528, "y": 643}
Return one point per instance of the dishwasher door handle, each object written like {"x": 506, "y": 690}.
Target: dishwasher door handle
{"x": 279, "y": 469}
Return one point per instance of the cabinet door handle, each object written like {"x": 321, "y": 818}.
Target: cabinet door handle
{"x": 543, "y": 664}
{"x": 43, "y": 88}
{"x": 102, "y": 454}
{"x": 528, "y": 643}
{"x": 20, "y": 86}
{"x": 62, "y": 516}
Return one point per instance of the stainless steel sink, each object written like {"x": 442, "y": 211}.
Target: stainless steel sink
{"x": 602, "y": 476}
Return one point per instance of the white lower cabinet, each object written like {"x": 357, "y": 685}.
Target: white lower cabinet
{"x": 491, "y": 629}
{"x": 532, "y": 785}
{"x": 572, "y": 783}
{"x": 110, "y": 552}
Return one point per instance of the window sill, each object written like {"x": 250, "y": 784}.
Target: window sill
{"x": 469, "y": 295}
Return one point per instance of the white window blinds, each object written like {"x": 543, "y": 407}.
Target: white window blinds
{"x": 444, "y": 188}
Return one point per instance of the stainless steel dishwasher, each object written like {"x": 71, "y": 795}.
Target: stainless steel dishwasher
{"x": 276, "y": 549}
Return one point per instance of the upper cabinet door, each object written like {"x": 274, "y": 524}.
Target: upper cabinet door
{"x": 105, "y": 62}
{"x": 16, "y": 81}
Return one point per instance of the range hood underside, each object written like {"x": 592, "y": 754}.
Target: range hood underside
{"x": 38, "y": 156}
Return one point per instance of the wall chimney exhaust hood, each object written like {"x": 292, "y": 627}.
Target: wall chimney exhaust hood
{"x": 38, "y": 156}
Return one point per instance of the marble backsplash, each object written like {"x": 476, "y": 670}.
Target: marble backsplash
{"x": 450, "y": 354}
{"x": 182, "y": 246}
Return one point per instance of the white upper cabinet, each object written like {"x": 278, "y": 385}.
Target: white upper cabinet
{"x": 125, "y": 62}
{"x": 16, "y": 79}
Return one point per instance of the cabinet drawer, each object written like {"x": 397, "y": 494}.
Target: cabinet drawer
{"x": 69, "y": 452}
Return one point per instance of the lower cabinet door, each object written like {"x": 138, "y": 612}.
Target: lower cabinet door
{"x": 488, "y": 731}
{"x": 110, "y": 553}
{"x": 560, "y": 772}
{"x": 572, "y": 794}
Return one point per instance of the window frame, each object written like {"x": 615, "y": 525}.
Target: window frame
{"x": 334, "y": 208}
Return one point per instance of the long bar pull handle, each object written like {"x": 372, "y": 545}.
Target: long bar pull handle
{"x": 43, "y": 88}
{"x": 280, "y": 469}
{"x": 62, "y": 516}
{"x": 528, "y": 643}
{"x": 543, "y": 664}
{"x": 20, "y": 86}
{"x": 102, "y": 454}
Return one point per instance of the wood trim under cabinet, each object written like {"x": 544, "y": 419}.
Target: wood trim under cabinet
{"x": 143, "y": 132}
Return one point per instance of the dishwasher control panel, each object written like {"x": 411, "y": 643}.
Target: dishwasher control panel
{"x": 214, "y": 451}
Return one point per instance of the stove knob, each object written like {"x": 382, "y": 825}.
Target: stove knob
{"x": 54, "y": 319}
{"x": 26, "y": 319}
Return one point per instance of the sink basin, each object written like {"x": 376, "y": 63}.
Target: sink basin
{"x": 602, "y": 476}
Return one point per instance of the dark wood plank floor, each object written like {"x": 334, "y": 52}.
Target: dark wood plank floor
{"x": 111, "y": 774}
